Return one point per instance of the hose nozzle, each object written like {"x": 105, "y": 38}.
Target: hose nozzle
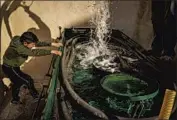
{"x": 167, "y": 105}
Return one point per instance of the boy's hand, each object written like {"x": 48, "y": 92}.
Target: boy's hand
{"x": 57, "y": 44}
{"x": 56, "y": 52}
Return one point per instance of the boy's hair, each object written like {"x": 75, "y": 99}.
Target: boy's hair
{"x": 28, "y": 37}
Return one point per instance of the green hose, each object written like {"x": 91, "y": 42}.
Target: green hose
{"x": 52, "y": 88}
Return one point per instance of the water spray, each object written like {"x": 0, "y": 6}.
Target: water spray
{"x": 99, "y": 35}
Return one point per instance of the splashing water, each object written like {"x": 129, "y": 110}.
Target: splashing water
{"x": 99, "y": 36}
{"x": 102, "y": 27}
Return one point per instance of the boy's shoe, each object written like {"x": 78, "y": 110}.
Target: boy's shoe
{"x": 35, "y": 96}
{"x": 15, "y": 102}
{"x": 35, "y": 100}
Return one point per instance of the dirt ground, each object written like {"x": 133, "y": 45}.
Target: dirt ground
{"x": 21, "y": 111}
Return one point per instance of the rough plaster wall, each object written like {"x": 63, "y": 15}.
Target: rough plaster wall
{"x": 134, "y": 19}
{"x": 44, "y": 17}
{"x": 143, "y": 32}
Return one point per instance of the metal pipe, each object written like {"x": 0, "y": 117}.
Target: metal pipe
{"x": 38, "y": 102}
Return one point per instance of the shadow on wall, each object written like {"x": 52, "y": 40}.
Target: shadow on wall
{"x": 12, "y": 6}
{"x": 7, "y": 9}
{"x": 44, "y": 34}
{"x": 5, "y": 13}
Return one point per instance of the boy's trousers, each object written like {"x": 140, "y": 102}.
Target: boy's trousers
{"x": 19, "y": 78}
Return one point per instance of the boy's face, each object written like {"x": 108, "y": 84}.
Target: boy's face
{"x": 29, "y": 45}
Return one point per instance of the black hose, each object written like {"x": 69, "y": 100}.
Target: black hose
{"x": 75, "y": 96}
{"x": 64, "y": 107}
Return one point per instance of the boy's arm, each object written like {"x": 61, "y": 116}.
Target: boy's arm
{"x": 36, "y": 52}
{"x": 33, "y": 52}
{"x": 42, "y": 44}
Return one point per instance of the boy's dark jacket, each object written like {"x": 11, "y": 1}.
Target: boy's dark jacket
{"x": 16, "y": 54}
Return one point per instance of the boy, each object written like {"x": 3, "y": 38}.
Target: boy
{"x": 16, "y": 54}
